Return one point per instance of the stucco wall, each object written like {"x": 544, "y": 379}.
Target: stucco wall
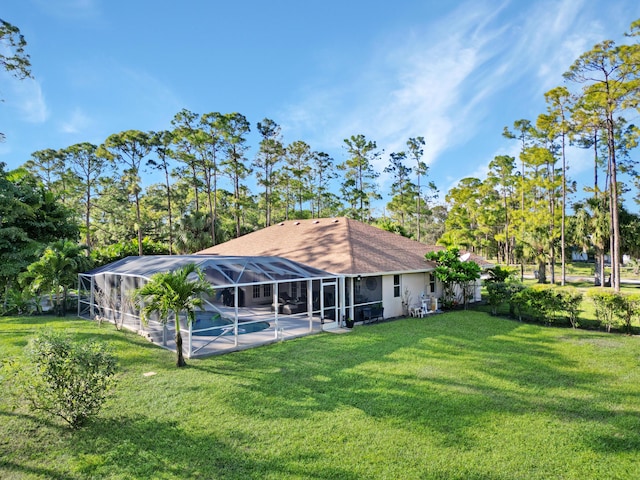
{"x": 415, "y": 283}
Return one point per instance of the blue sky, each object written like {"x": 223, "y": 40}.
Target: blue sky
{"x": 455, "y": 72}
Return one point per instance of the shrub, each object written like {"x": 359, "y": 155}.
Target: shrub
{"x": 547, "y": 303}
{"x": 514, "y": 289}
{"x": 569, "y": 300}
{"x": 499, "y": 274}
{"x": 67, "y": 378}
{"x": 604, "y": 301}
{"x": 626, "y": 307}
{"x": 497, "y": 294}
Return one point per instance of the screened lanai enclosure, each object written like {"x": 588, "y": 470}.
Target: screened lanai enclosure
{"x": 256, "y": 300}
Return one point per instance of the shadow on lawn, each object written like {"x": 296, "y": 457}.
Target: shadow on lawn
{"x": 145, "y": 448}
{"x": 22, "y": 458}
{"x": 446, "y": 375}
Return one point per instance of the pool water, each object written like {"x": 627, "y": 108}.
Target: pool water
{"x": 210, "y": 320}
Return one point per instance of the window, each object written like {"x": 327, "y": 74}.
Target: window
{"x": 432, "y": 283}
{"x": 266, "y": 290}
{"x": 396, "y": 286}
{"x": 256, "y": 291}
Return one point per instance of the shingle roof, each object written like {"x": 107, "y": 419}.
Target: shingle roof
{"x": 337, "y": 245}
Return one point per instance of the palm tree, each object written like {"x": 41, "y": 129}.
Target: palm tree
{"x": 57, "y": 270}
{"x": 174, "y": 292}
{"x": 592, "y": 229}
{"x": 193, "y": 233}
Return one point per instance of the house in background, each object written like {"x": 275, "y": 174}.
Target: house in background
{"x": 376, "y": 268}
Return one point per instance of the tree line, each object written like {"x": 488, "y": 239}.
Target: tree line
{"x": 520, "y": 212}
{"x": 212, "y": 189}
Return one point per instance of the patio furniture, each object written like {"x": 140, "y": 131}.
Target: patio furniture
{"x": 372, "y": 313}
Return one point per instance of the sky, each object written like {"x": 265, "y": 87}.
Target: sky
{"x": 454, "y": 72}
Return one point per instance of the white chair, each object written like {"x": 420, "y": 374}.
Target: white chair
{"x": 425, "y": 307}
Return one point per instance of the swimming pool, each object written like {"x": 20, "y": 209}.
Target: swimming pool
{"x": 210, "y": 320}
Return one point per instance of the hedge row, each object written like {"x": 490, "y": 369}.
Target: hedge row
{"x": 550, "y": 304}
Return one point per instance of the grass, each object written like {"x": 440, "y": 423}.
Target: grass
{"x": 460, "y": 395}
{"x": 579, "y": 269}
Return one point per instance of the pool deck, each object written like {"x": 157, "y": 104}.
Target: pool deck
{"x": 282, "y": 327}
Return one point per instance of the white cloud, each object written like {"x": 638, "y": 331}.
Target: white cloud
{"x": 27, "y": 98}
{"x": 447, "y": 81}
{"x": 72, "y": 9}
{"x": 412, "y": 87}
{"x": 78, "y": 122}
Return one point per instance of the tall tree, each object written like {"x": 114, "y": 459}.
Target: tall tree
{"x": 587, "y": 131}
{"x": 358, "y": 186}
{"x": 12, "y": 56}
{"x": 501, "y": 176}
{"x": 82, "y": 159}
{"x": 298, "y": 169}
{"x": 270, "y": 153}
{"x": 538, "y": 231}
{"x": 610, "y": 83}
{"x": 558, "y": 112}
{"x": 130, "y": 147}
{"x": 47, "y": 164}
{"x": 185, "y": 125}
{"x": 322, "y": 172}
{"x": 209, "y": 143}
{"x": 523, "y": 131}
{"x": 161, "y": 143}
{"x": 464, "y": 201}
{"x": 403, "y": 191}
{"x": 177, "y": 292}
{"x": 235, "y": 127}
{"x": 415, "y": 146}
{"x": 113, "y": 217}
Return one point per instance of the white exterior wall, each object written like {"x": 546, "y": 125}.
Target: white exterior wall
{"x": 392, "y": 305}
{"x": 416, "y": 283}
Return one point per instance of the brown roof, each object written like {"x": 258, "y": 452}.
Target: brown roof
{"x": 337, "y": 245}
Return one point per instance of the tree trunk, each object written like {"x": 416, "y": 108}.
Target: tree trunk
{"x": 87, "y": 221}
{"x": 166, "y": 177}
{"x": 138, "y": 216}
{"x": 542, "y": 271}
{"x": 180, "y": 362}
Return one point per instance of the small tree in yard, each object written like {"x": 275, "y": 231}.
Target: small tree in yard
{"x": 570, "y": 299}
{"x": 451, "y": 270}
{"x": 57, "y": 271}
{"x": 497, "y": 294}
{"x": 173, "y": 293}
{"x": 499, "y": 274}
{"x": 626, "y": 308}
{"x": 68, "y": 379}
{"x": 604, "y": 301}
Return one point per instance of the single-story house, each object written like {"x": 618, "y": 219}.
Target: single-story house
{"x": 383, "y": 274}
{"x": 290, "y": 279}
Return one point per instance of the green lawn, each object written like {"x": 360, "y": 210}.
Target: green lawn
{"x": 460, "y": 395}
